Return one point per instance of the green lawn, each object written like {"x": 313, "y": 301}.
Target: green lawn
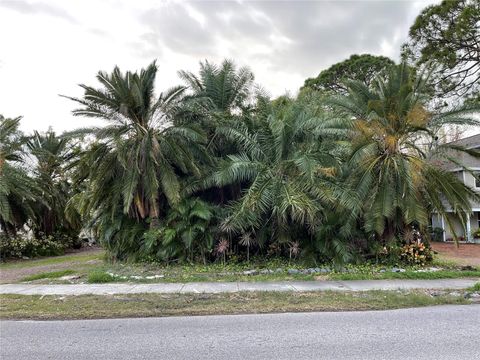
{"x": 48, "y": 275}
{"x": 78, "y": 257}
{"x": 148, "y": 305}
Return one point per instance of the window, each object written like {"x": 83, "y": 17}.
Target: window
{"x": 477, "y": 179}
{"x": 478, "y": 218}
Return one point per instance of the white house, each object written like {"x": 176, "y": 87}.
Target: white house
{"x": 453, "y": 224}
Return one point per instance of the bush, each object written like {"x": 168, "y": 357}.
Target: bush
{"x": 187, "y": 232}
{"x": 21, "y": 246}
{"x": 69, "y": 239}
{"x": 416, "y": 254}
{"x": 476, "y": 234}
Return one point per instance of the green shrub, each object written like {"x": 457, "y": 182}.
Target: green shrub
{"x": 69, "y": 239}
{"x": 100, "y": 277}
{"x": 19, "y": 246}
{"x": 187, "y": 232}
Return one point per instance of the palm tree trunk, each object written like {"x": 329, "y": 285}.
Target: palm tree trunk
{"x": 388, "y": 232}
{"x": 222, "y": 197}
{"x": 2, "y": 162}
{"x": 154, "y": 220}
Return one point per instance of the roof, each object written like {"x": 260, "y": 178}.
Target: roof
{"x": 471, "y": 142}
{"x": 469, "y": 161}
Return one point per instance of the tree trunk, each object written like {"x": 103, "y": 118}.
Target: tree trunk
{"x": 154, "y": 220}
{"x": 388, "y": 232}
{"x": 2, "y": 162}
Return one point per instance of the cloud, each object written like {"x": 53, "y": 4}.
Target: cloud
{"x": 29, "y": 7}
{"x": 295, "y": 36}
{"x": 283, "y": 42}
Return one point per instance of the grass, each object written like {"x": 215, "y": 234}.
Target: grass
{"x": 49, "y": 275}
{"x": 193, "y": 273}
{"x": 442, "y": 274}
{"x": 103, "y": 277}
{"x": 80, "y": 257}
{"x": 137, "y": 273}
{"x": 150, "y": 305}
{"x": 475, "y": 287}
{"x": 89, "y": 268}
{"x": 99, "y": 277}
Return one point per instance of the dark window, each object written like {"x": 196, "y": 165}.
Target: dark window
{"x": 477, "y": 179}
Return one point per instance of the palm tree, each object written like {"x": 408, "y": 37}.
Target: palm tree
{"x": 134, "y": 165}
{"x": 289, "y": 167}
{"x": 17, "y": 191}
{"x": 390, "y": 169}
{"x": 221, "y": 90}
{"x": 219, "y": 96}
{"x": 51, "y": 156}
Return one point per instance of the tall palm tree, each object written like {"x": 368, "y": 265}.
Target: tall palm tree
{"x": 219, "y": 96}
{"x": 17, "y": 190}
{"x": 133, "y": 167}
{"x": 390, "y": 169}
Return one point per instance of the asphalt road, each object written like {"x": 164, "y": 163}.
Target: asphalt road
{"x": 446, "y": 332}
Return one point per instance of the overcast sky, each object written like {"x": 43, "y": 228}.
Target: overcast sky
{"x": 48, "y": 47}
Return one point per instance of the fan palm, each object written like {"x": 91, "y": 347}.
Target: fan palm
{"x": 133, "y": 167}
{"x": 17, "y": 190}
{"x": 390, "y": 170}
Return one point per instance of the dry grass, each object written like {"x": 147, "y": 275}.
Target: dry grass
{"x": 156, "y": 305}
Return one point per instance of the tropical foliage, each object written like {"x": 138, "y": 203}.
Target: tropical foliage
{"x": 391, "y": 172}
{"x": 216, "y": 169}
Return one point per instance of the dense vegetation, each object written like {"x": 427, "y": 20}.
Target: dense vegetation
{"x": 213, "y": 169}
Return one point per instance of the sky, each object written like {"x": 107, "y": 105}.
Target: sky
{"x": 48, "y": 47}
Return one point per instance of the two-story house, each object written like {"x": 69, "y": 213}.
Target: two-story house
{"x": 453, "y": 225}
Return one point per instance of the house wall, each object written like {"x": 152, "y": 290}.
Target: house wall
{"x": 455, "y": 224}
{"x": 473, "y": 164}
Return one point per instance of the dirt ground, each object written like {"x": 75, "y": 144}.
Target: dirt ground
{"x": 25, "y": 268}
{"x": 465, "y": 254}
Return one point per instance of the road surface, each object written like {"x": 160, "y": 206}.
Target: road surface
{"x": 444, "y": 332}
